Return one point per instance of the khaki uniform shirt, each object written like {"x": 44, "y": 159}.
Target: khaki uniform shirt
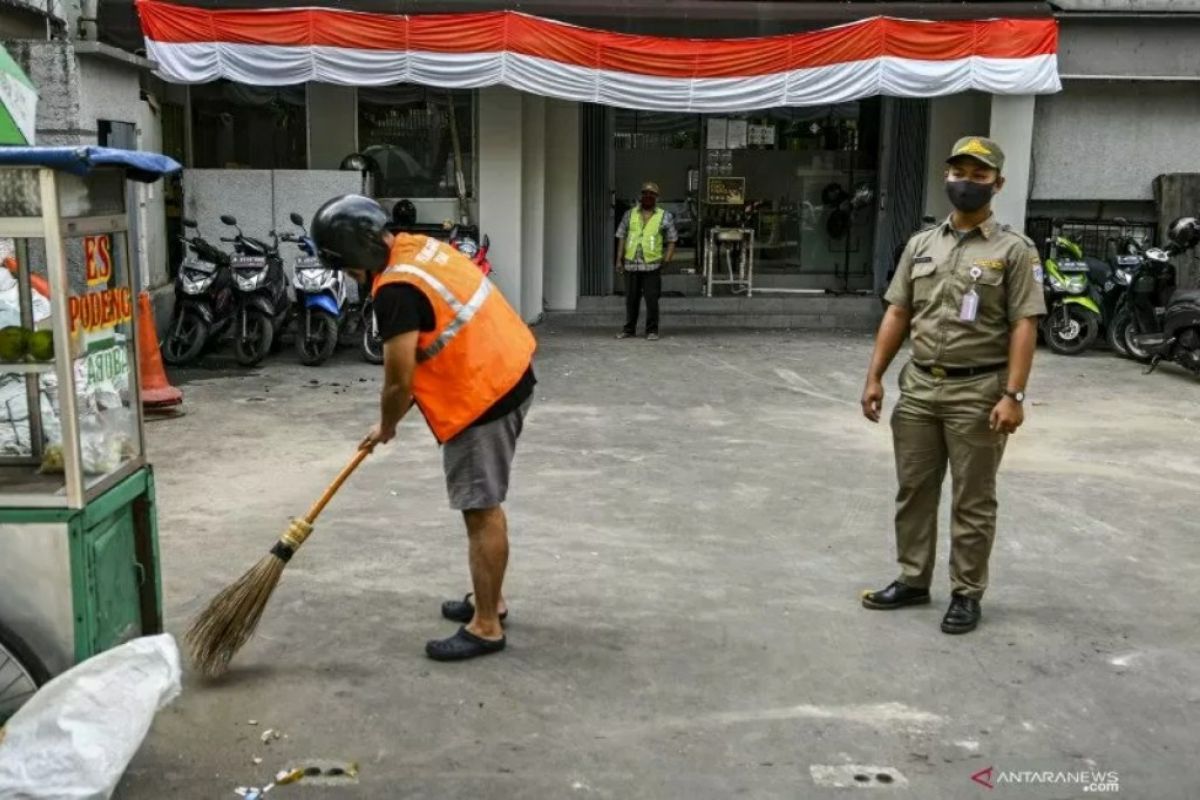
{"x": 940, "y": 267}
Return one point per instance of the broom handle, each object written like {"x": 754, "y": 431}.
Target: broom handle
{"x": 319, "y": 506}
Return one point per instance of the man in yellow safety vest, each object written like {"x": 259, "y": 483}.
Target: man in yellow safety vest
{"x": 645, "y": 242}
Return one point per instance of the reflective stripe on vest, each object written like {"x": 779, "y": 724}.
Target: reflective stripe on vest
{"x": 647, "y": 234}
{"x": 463, "y": 312}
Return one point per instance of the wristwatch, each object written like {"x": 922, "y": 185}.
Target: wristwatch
{"x": 1015, "y": 394}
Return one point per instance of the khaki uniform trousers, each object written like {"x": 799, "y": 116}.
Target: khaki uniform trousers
{"x": 940, "y": 421}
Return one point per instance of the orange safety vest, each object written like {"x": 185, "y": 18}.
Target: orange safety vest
{"x": 479, "y": 346}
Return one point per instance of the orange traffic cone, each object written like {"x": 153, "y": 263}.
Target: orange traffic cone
{"x": 157, "y": 391}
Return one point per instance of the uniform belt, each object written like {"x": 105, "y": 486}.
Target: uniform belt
{"x": 958, "y": 372}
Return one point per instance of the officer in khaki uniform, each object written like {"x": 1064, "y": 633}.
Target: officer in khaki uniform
{"x": 969, "y": 292}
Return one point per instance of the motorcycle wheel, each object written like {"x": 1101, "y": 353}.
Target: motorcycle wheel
{"x": 1115, "y": 334}
{"x": 22, "y": 670}
{"x": 1076, "y": 334}
{"x": 1132, "y": 350}
{"x": 260, "y": 335}
{"x": 324, "y": 339}
{"x": 372, "y": 346}
{"x": 185, "y": 339}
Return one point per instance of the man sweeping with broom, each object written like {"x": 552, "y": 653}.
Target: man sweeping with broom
{"x": 459, "y": 352}
{"x": 457, "y": 349}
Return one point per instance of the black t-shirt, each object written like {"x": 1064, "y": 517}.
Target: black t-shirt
{"x": 403, "y": 308}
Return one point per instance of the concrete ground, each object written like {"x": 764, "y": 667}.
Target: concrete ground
{"x": 692, "y": 524}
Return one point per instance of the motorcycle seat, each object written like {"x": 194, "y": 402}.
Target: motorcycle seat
{"x": 1189, "y": 296}
{"x": 1098, "y": 271}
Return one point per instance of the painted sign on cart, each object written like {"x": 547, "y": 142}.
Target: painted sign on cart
{"x": 97, "y": 258}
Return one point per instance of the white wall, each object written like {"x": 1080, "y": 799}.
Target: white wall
{"x": 951, "y": 118}
{"x": 501, "y": 187}
{"x": 153, "y": 221}
{"x": 533, "y": 204}
{"x": 1012, "y": 128}
{"x": 561, "y": 253}
{"x": 1108, "y": 140}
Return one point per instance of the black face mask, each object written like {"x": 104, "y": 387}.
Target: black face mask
{"x": 968, "y": 196}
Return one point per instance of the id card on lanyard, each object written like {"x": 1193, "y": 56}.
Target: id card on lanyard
{"x": 970, "y": 301}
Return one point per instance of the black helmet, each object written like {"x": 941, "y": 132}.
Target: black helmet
{"x": 348, "y": 232}
{"x": 404, "y": 214}
{"x": 1184, "y": 232}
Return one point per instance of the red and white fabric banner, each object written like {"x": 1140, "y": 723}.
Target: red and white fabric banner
{"x": 899, "y": 58}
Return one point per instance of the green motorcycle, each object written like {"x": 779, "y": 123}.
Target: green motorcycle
{"x": 1073, "y": 319}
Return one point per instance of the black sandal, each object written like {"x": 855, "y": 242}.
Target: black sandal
{"x": 462, "y": 646}
{"x": 463, "y": 610}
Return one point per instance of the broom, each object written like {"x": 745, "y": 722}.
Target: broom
{"x": 230, "y": 619}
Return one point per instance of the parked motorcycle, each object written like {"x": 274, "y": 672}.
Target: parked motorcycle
{"x": 261, "y": 292}
{"x": 204, "y": 303}
{"x": 1073, "y": 318}
{"x": 320, "y": 300}
{"x": 462, "y": 240}
{"x": 1128, "y": 261}
{"x": 1166, "y": 322}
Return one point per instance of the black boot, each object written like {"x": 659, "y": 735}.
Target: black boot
{"x": 962, "y": 616}
{"x": 896, "y": 595}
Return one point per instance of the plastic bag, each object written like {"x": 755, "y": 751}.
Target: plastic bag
{"x": 75, "y": 737}
{"x": 10, "y": 302}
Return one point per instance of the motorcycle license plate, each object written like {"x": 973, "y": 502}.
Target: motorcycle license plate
{"x": 1072, "y": 266}
{"x": 1126, "y": 261}
{"x": 247, "y": 262}
{"x": 308, "y": 262}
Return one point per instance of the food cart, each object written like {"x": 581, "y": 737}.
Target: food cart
{"x": 79, "y": 569}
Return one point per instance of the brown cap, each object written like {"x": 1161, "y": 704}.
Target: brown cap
{"x": 652, "y": 187}
{"x": 985, "y": 151}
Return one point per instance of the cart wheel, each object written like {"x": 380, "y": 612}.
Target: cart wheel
{"x": 21, "y": 672}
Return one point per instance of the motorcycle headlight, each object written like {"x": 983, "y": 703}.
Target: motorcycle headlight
{"x": 1076, "y": 284}
{"x": 249, "y": 281}
{"x": 196, "y": 282}
{"x": 1056, "y": 284}
{"x": 314, "y": 280}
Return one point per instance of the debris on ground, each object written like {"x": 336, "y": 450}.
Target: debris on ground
{"x": 320, "y": 772}
{"x": 270, "y": 735}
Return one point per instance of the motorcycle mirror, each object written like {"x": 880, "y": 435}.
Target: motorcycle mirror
{"x": 297, "y": 220}
{"x": 486, "y": 242}
{"x": 1121, "y": 221}
{"x": 229, "y": 219}
{"x": 188, "y": 222}
{"x": 1058, "y": 222}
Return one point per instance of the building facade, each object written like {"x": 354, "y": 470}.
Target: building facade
{"x": 834, "y": 183}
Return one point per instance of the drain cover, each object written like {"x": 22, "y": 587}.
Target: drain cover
{"x": 861, "y": 776}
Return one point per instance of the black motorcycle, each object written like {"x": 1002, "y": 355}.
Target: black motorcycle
{"x": 1166, "y": 322}
{"x": 204, "y": 303}
{"x": 261, "y": 292}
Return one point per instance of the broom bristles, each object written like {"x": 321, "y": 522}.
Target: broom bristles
{"x": 230, "y": 619}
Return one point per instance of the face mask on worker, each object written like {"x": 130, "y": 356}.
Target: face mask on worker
{"x": 969, "y": 196}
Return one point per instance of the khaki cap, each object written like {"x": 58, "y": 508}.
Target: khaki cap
{"x": 985, "y": 151}
{"x": 652, "y": 187}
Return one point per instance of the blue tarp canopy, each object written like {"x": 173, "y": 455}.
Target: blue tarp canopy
{"x": 139, "y": 166}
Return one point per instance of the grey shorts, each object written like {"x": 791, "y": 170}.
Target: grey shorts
{"x": 479, "y": 460}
